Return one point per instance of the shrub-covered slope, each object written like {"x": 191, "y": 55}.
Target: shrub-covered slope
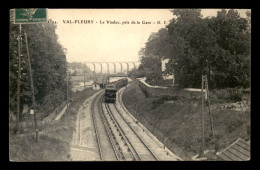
{"x": 179, "y": 120}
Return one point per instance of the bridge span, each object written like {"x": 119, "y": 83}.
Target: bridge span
{"x": 133, "y": 63}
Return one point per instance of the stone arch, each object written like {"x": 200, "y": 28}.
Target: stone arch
{"x": 114, "y": 67}
{"x": 100, "y": 66}
{"x": 94, "y": 73}
{"x": 134, "y": 65}
{"x": 107, "y": 68}
{"x": 121, "y": 67}
{"x": 127, "y": 64}
{"x": 94, "y": 67}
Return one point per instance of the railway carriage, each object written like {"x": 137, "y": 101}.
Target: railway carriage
{"x": 111, "y": 89}
{"x": 110, "y": 94}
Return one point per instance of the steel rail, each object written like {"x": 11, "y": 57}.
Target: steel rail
{"x": 135, "y": 133}
{"x": 106, "y": 124}
{"x": 131, "y": 147}
{"x": 95, "y": 127}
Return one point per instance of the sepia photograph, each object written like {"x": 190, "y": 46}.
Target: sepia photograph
{"x": 129, "y": 84}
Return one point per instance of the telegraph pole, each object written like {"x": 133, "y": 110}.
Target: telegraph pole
{"x": 32, "y": 87}
{"x": 18, "y": 80}
{"x": 210, "y": 116}
{"x": 207, "y": 89}
{"x": 84, "y": 79}
{"x": 202, "y": 114}
{"x": 67, "y": 89}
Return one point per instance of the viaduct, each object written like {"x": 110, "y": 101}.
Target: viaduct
{"x": 114, "y": 63}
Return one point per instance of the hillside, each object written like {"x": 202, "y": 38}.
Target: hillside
{"x": 178, "y": 122}
{"x": 54, "y": 137}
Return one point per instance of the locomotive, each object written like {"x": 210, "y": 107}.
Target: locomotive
{"x": 111, "y": 89}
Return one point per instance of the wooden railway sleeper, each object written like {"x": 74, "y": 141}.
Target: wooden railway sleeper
{"x": 132, "y": 150}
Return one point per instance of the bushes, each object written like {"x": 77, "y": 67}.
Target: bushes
{"x": 157, "y": 102}
{"x": 234, "y": 125}
{"x": 51, "y": 101}
{"x": 154, "y": 78}
{"x": 137, "y": 73}
{"x": 164, "y": 98}
{"x": 145, "y": 92}
{"x": 228, "y": 94}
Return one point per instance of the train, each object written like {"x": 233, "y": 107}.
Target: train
{"x": 112, "y": 88}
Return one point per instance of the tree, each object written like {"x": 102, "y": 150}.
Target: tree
{"x": 13, "y": 68}
{"x": 158, "y": 44}
{"x": 48, "y": 61}
{"x": 217, "y": 46}
{"x": 157, "y": 48}
{"x": 233, "y": 37}
{"x": 186, "y": 34}
{"x": 214, "y": 46}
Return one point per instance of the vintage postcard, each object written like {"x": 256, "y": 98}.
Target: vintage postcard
{"x": 129, "y": 84}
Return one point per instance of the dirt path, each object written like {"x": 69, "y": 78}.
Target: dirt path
{"x": 162, "y": 152}
{"x": 83, "y": 145}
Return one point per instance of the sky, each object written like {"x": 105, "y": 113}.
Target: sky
{"x": 88, "y": 37}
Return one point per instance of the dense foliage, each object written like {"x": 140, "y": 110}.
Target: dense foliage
{"x": 48, "y": 61}
{"x": 78, "y": 65}
{"x": 217, "y": 46}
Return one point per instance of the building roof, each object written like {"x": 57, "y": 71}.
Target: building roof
{"x": 238, "y": 151}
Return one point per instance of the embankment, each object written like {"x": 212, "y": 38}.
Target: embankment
{"x": 54, "y": 137}
{"x": 176, "y": 121}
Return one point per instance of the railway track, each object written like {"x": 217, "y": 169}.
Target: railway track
{"x": 106, "y": 148}
{"x": 116, "y": 139}
{"x": 132, "y": 153}
{"x": 137, "y": 147}
{"x": 113, "y": 136}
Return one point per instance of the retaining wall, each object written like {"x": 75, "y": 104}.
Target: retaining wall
{"x": 29, "y": 123}
{"x": 55, "y": 112}
{"x": 158, "y": 91}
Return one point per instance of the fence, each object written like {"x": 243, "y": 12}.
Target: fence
{"x": 29, "y": 123}
{"x": 55, "y": 112}
{"x": 158, "y": 91}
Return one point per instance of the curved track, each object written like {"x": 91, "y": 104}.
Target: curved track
{"x": 116, "y": 139}
{"x": 106, "y": 148}
{"x": 138, "y": 148}
{"x": 130, "y": 148}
